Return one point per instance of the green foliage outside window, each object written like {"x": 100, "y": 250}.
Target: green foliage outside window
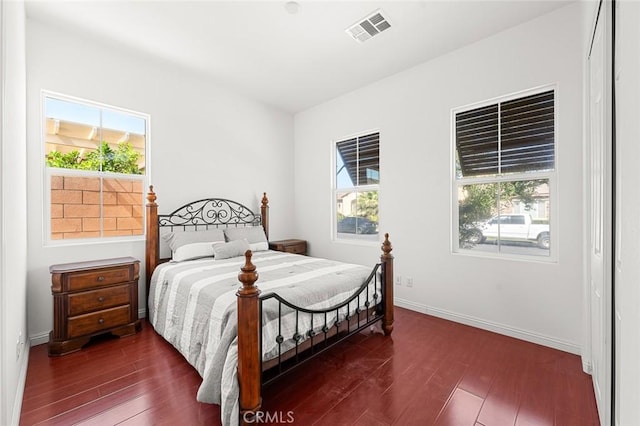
{"x": 70, "y": 160}
{"x": 368, "y": 205}
{"x": 124, "y": 159}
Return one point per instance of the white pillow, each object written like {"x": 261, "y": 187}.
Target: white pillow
{"x": 192, "y": 244}
{"x": 192, "y": 251}
{"x": 231, "y": 249}
{"x": 259, "y": 246}
{"x": 253, "y": 234}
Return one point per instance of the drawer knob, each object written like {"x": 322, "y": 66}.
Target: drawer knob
{"x": 100, "y": 278}
{"x": 101, "y": 299}
{"x": 101, "y": 321}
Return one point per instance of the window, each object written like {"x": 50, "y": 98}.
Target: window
{"x": 95, "y": 168}
{"x": 504, "y": 175}
{"x": 357, "y": 181}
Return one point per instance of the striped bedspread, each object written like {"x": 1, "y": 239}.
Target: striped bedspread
{"x": 193, "y": 306}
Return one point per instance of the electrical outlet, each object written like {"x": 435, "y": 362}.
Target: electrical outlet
{"x": 398, "y": 280}
{"x": 409, "y": 282}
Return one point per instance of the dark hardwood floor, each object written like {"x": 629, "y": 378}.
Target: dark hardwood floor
{"x": 431, "y": 371}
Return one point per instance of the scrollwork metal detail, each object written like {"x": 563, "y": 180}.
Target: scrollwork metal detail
{"x": 211, "y": 212}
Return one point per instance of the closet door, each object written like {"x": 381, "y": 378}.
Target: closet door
{"x": 627, "y": 264}
{"x": 600, "y": 198}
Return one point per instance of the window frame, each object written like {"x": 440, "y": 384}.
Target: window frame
{"x": 550, "y": 175}
{"x": 46, "y": 172}
{"x": 357, "y": 188}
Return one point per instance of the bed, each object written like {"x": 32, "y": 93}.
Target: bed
{"x": 240, "y": 338}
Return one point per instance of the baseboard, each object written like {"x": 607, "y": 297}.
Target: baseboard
{"x": 142, "y": 313}
{"x": 586, "y": 367}
{"x": 407, "y": 304}
{"x": 22, "y": 379}
{"x": 39, "y": 339}
{"x": 507, "y": 330}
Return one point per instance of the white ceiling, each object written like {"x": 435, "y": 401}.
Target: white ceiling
{"x": 291, "y": 61}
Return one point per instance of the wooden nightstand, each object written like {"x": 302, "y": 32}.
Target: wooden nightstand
{"x": 91, "y": 298}
{"x": 289, "y": 246}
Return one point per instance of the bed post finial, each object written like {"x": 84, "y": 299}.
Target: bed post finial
{"x": 248, "y": 276}
{"x": 151, "y": 196}
{"x": 264, "y": 213}
{"x": 152, "y": 252}
{"x": 387, "y": 273}
{"x": 249, "y": 356}
{"x": 386, "y": 246}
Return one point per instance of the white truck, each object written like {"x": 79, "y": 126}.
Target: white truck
{"x": 513, "y": 227}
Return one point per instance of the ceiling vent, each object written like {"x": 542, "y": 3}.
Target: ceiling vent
{"x": 369, "y": 27}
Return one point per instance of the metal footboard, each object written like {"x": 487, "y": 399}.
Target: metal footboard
{"x": 323, "y": 328}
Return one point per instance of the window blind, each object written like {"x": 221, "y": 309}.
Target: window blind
{"x": 361, "y": 158}
{"x": 522, "y": 140}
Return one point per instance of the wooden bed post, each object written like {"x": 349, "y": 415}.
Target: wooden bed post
{"x": 264, "y": 213}
{"x": 249, "y": 356}
{"x": 387, "y": 268}
{"x": 151, "y": 248}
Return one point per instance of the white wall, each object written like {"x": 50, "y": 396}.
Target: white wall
{"x": 13, "y": 204}
{"x": 205, "y": 141}
{"x": 628, "y": 209}
{"x": 534, "y": 300}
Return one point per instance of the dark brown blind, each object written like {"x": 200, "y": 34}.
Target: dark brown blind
{"x": 527, "y": 133}
{"x": 477, "y": 141}
{"x": 361, "y": 158}
{"x": 525, "y": 142}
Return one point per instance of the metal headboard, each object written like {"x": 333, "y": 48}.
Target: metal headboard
{"x": 205, "y": 213}
{"x": 210, "y": 213}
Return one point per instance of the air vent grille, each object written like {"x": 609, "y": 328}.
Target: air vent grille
{"x": 368, "y": 27}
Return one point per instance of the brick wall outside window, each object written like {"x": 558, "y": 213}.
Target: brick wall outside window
{"x": 76, "y": 207}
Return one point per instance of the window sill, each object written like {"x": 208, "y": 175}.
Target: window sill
{"x": 506, "y": 256}
{"x": 93, "y": 241}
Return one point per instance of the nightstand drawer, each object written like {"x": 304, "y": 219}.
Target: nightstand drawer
{"x": 101, "y": 320}
{"x": 95, "y": 300}
{"x": 87, "y": 280}
{"x": 297, "y": 249}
